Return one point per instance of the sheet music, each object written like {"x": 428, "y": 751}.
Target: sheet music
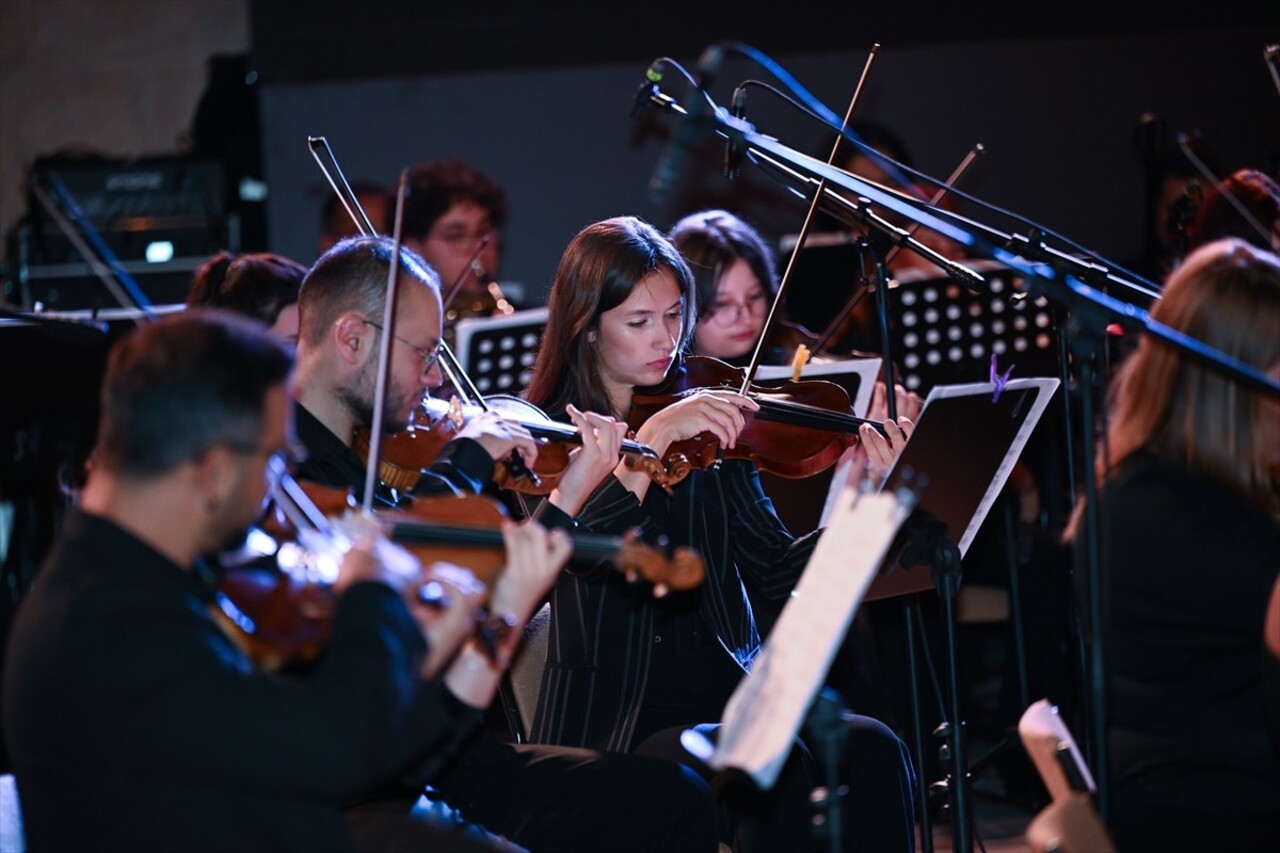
{"x": 769, "y": 705}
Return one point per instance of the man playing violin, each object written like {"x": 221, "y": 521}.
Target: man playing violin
{"x": 341, "y": 308}
{"x": 542, "y": 797}
{"x": 135, "y": 722}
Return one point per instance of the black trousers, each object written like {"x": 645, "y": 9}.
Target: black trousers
{"x": 562, "y": 800}
{"x": 877, "y": 808}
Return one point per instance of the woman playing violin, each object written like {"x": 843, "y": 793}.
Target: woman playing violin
{"x": 629, "y": 674}
{"x": 518, "y": 790}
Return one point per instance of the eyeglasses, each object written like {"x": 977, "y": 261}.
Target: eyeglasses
{"x": 463, "y": 242}
{"x": 429, "y": 357}
{"x": 727, "y": 313}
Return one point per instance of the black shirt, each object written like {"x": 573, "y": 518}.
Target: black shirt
{"x": 125, "y": 702}
{"x": 463, "y": 466}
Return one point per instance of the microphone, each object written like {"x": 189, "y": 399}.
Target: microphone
{"x": 647, "y": 89}
{"x": 671, "y": 163}
{"x": 732, "y": 150}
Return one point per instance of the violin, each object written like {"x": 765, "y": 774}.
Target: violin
{"x": 801, "y": 429}
{"x": 279, "y": 601}
{"x": 436, "y": 422}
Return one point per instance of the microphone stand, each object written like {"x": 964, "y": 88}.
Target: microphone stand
{"x": 1058, "y": 277}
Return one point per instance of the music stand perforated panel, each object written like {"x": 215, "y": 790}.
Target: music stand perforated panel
{"x": 944, "y": 333}
{"x": 498, "y": 352}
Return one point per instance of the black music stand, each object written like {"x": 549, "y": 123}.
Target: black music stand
{"x": 957, "y": 460}
{"x": 498, "y": 352}
{"x": 783, "y": 691}
{"x": 945, "y": 333}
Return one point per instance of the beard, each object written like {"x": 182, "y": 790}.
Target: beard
{"x": 357, "y": 392}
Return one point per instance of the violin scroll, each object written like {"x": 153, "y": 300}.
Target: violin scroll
{"x": 679, "y": 569}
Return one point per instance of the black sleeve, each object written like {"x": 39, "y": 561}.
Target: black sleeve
{"x": 462, "y": 468}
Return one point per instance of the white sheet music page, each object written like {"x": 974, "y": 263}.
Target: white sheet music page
{"x": 769, "y": 705}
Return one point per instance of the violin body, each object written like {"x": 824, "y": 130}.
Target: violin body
{"x": 801, "y": 429}
{"x": 435, "y": 422}
{"x": 278, "y": 602}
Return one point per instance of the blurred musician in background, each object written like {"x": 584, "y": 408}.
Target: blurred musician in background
{"x": 261, "y": 285}
{"x": 453, "y": 217}
{"x": 736, "y": 283}
{"x": 336, "y": 222}
{"x": 733, "y": 273}
{"x": 1246, "y": 204}
{"x": 1187, "y": 488}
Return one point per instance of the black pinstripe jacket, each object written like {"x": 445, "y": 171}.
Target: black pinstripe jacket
{"x": 600, "y": 647}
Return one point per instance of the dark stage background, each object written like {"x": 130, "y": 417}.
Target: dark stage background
{"x": 539, "y": 96}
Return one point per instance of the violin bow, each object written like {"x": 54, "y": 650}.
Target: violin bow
{"x": 805, "y": 228}
{"x": 384, "y": 353}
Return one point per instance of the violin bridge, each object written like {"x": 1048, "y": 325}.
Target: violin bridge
{"x": 455, "y": 414}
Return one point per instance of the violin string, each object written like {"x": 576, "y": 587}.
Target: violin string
{"x": 800, "y": 413}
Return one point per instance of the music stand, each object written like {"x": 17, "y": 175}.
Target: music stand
{"x": 942, "y": 332}
{"x": 498, "y": 352}
{"x": 945, "y": 333}
{"x": 958, "y": 460}
{"x": 769, "y": 705}
{"x": 964, "y": 452}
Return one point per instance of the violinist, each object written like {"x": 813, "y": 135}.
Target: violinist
{"x": 541, "y": 797}
{"x": 341, "y": 309}
{"x": 125, "y": 703}
{"x": 630, "y": 675}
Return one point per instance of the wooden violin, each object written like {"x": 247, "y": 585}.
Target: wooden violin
{"x": 279, "y": 600}
{"x": 435, "y": 423}
{"x": 801, "y": 429}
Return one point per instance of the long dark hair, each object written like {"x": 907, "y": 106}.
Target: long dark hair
{"x": 597, "y": 272}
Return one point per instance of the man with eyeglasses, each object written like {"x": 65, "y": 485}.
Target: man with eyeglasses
{"x": 453, "y": 218}
{"x": 541, "y": 797}
{"x": 135, "y": 722}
